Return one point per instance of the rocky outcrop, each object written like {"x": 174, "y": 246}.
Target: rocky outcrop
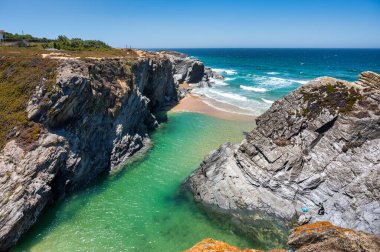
{"x": 191, "y": 71}
{"x": 323, "y": 236}
{"x": 319, "y": 144}
{"x": 96, "y": 116}
{"x": 316, "y": 237}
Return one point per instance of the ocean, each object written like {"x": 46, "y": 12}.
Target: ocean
{"x": 141, "y": 208}
{"x": 254, "y": 78}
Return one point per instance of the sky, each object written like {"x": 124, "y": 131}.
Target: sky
{"x": 201, "y": 23}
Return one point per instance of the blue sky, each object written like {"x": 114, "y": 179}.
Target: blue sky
{"x": 200, "y": 23}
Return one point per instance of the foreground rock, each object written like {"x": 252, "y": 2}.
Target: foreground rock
{"x": 316, "y": 237}
{"x": 319, "y": 144}
{"x": 95, "y": 117}
{"x": 211, "y": 245}
{"x": 323, "y": 236}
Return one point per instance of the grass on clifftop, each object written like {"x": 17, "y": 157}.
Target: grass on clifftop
{"x": 19, "y": 76}
{"x": 38, "y": 51}
{"x": 21, "y": 70}
{"x": 335, "y": 97}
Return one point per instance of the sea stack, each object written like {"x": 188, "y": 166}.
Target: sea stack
{"x": 319, "y": 144}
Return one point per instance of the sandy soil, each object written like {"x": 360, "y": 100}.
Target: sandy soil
{"x": 204, "y": 105}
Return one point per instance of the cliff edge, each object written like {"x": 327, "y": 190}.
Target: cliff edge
{"x": 82, "y": 117}
{"x": 319, "y": 144}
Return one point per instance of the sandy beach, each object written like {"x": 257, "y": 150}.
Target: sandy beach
{"x": 204, "y": 105}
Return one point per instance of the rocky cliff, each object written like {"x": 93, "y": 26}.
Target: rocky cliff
{"x": 96, "y": 115}
{"x": 319, "y": 144}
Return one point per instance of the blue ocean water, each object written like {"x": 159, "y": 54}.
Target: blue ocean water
{"x": 254, "y": 78}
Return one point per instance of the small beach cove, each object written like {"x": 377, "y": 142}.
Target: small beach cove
{"x": 140, "y": 208}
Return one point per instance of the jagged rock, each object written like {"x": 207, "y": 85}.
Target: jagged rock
{"x": 320, "y": 143}
{"x": 96, "y": 117}
{"x": 323, "y": 236}
{"x": 190, "y": 71}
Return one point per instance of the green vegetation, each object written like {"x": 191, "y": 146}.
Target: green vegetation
{"x": 19, "y": 76}
{"x": 23, "y": 68}
{"x": 61, "y": 43}
{"x": 76, "y": 44}
{"x": 9, "y": 37}
{"x": 335, "y": 97}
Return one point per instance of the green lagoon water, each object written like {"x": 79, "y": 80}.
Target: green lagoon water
{"x": 139, "y": 208}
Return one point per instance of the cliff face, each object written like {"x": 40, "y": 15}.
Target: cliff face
{"x": 319, "y": 144}
{"x": 96, "y": 116}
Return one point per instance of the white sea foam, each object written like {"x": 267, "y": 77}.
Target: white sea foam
{"x": 226, "y": 71}
{"x": 267, "y": 101}
{"x": 302, "y": 81}
{"x": 273, "y": 73}
{"x": 228, "y": 95}
{"x": 274, "y": 81}
{"x": 229, "y": 79}
{"x": 236, "y": 100}
{"x": 230, "y": 111}
{"x": 218, "y": 82}
{"x": 254, "y": 89}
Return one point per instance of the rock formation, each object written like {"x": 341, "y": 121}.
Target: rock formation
{"x": 191, "y": 71}
{"x": 211, "y": 245}
{"x": 316, "y": 237}
{"x": 323, "y": 236}
{"x": 319, "y": 144}
{"x": 95, "y": 117}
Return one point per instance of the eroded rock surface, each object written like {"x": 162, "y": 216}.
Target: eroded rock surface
{"x": 319, "y": 144}
{"x": 191, "y": 71}
{"x": 97, "y": 116}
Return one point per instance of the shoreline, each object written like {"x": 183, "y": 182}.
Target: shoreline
{"x": 207, "y": 106}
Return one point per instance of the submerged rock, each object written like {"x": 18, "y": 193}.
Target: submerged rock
{"x": 319, "y": 144}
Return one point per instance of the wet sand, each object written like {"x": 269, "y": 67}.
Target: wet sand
{"x": 204, "y": 105}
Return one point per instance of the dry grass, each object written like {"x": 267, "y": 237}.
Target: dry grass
{"x": 35, "y": 51}
{"x": 21, "y": 70}
{"x": 20, "y": 73}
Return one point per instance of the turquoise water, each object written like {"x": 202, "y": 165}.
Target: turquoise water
{"x": 257, "y": 77}
{"x": 140, "y": 208}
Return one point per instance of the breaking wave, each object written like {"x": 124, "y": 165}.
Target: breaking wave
{"x": 254, "y": 89}
{"x": 224, "y": 71}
